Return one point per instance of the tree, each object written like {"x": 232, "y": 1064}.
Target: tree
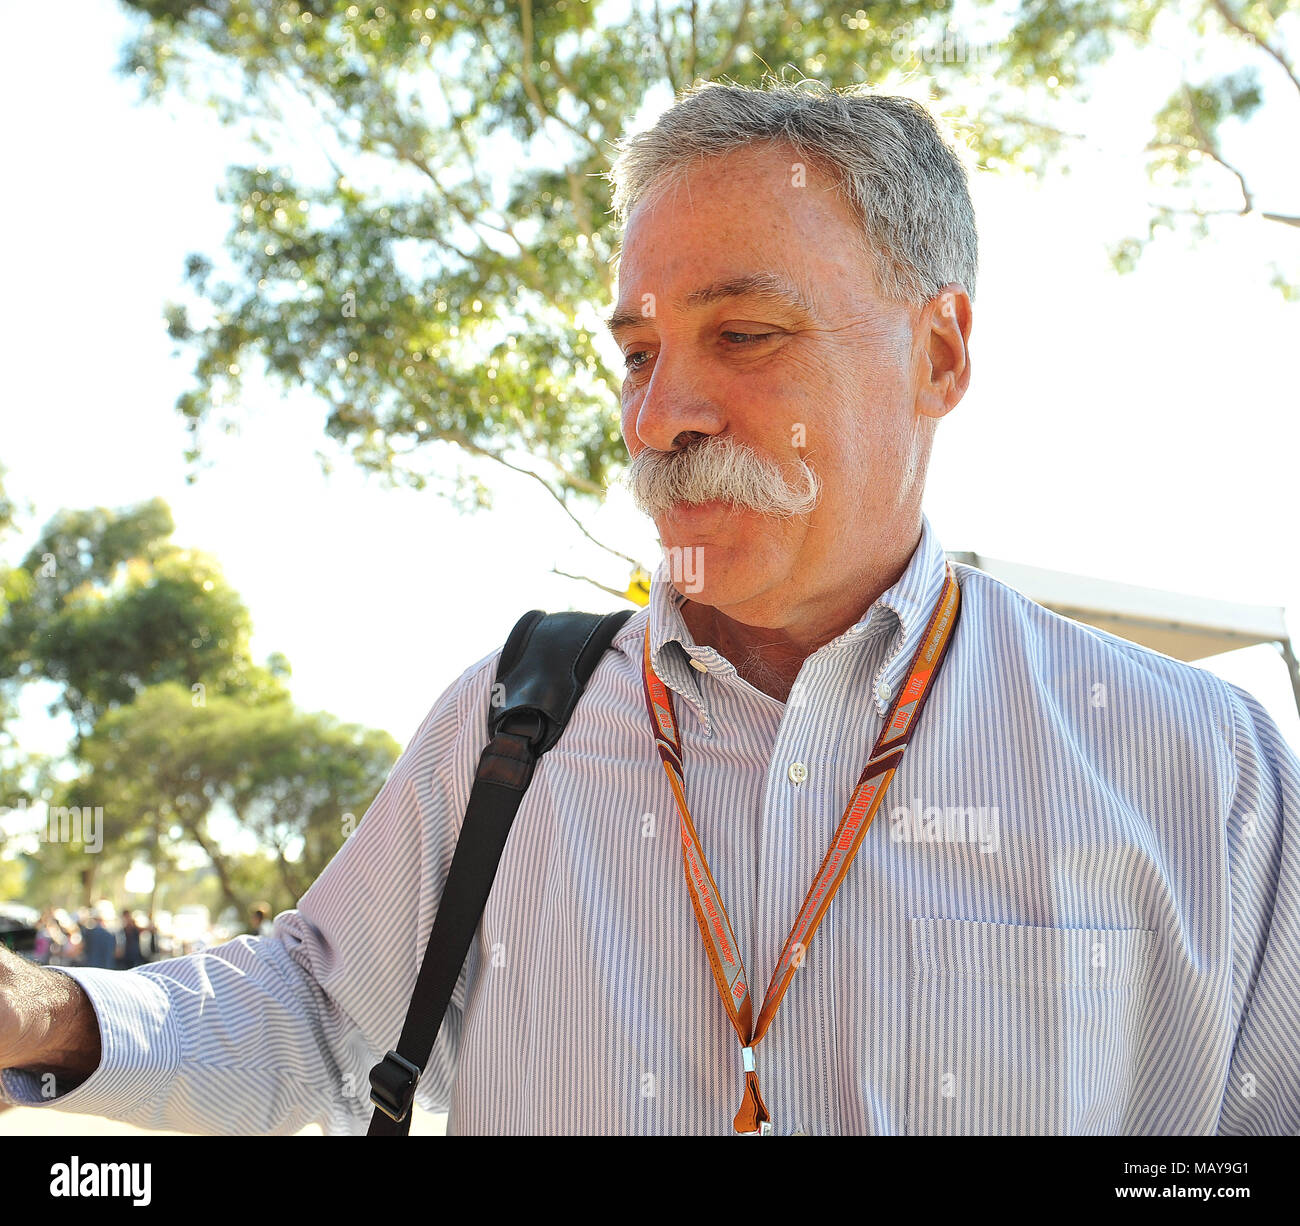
{"x": 174, "y": 720}
{"x": 302, "y": 784}
{"x": 16, "y": 767}
{"x": 105, "y": 605}
{"x": 1236, "y": 57}
{"x": 163, "y": 765}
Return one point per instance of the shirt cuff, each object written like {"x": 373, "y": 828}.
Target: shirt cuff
{"x": 138, "y": 1050}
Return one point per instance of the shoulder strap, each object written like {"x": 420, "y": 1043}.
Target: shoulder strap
{"x": 544, "y": 666}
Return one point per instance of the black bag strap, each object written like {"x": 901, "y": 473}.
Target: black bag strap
{"x": 544, "y": 666}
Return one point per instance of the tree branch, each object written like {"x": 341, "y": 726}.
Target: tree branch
{"x": 1235, "y": 22}
{"x": 1037, "y": 125}
{"x": 663, "y": 46}
{"x": 1206, "y": 145}
{"x": 411, "y": 157}
{"x": 218, "y": 861}
{"x": 525, "y": 76}
{"x": 582, "y": 213}
{"x": 693, "y": 52}
{"x": 470, "y": 446}
{"x": 593, "y": 582}
{"x": 1284, "y": 219}
{"x": 457, "y": 122}
{"x": 737, "y": 36}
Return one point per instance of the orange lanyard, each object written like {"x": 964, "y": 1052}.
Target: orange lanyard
{"x": 710, "y": 914}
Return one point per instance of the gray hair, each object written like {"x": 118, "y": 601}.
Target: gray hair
{"x": 885, "y": 155}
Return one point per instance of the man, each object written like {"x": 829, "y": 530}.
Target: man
{"x": 98, "y": 940}
{"x": 1075, "y": 911}
{"x": 259, "y": 923}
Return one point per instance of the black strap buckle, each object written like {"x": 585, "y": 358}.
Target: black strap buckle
{"x": 527, "y": 722}
{"x": 392, "y": 1086}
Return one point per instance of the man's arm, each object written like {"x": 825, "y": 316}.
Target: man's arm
{"x": 47, "y": 1024}
{"x": 266, "y": 1035}
{"x": 1262, "y": 1095}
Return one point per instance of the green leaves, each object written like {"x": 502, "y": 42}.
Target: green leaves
{"x": 1187, "y": 126}
{"x": 149, "y": 647}
{"x": 162, "y": 766}
{"x": 108, "y": 607}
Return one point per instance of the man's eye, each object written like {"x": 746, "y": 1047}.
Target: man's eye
{"x": 745, "y": 339}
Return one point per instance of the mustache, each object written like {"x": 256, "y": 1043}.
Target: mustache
{"x": 718, "y": 467}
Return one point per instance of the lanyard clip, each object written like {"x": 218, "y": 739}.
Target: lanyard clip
{"x": 752, "y": 1119}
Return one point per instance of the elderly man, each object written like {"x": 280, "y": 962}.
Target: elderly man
{"x": 1074, "y": 911}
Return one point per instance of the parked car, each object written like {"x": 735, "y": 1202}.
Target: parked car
{"x": 18, "y": 927}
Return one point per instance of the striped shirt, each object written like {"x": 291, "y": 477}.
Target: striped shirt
{"x": 1078, "y": 910}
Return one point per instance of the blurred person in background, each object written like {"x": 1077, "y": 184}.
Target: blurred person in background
{"x": 98, "y": 937}
{"x": 50, "y": 939}
{"x": 67, "y": 949}
{"x": 131, "y": 952}
{"x": 260, "y": 923}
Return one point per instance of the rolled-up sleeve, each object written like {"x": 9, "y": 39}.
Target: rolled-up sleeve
{"x": 265, "y": 1035}
{"x": 1262, "y": 1094}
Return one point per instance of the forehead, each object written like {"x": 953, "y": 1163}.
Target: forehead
{"x": 762, "y": 210}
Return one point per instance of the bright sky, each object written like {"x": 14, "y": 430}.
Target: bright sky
{"x": 1141, "y": 429}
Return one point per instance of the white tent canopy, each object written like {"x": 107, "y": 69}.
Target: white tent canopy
{"x": 1184, "y": 627}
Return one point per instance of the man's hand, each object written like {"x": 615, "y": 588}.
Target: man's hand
{"x": 47, "y": 1023}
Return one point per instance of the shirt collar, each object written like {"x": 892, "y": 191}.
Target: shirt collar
{"x": 901, "y": 613}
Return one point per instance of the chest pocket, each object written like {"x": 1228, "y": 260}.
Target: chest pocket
{"x": 1015, "y": 1030}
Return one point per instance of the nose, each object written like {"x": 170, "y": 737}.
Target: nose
{"x": 668, "y": 410}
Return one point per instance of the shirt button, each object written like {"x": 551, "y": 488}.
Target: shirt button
{"x": 798, "y": 772}
{"x": 886, "y": 691}
{"x": 699, "y": 665}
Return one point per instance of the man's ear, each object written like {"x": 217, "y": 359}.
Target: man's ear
{"x": 944, "y": 330}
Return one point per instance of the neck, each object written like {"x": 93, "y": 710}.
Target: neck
{"x": 770, "y": 657}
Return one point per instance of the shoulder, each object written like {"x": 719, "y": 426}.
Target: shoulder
{"x": 459, "y": 714}
{"x": 449, "y": 714}
{"x": 628, "y": 642}
{"x": 1058, "y": 654}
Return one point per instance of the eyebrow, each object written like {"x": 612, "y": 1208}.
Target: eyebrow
{"x": 767, "y": 286}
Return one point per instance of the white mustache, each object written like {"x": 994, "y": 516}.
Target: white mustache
{"x": 719, "y": 467}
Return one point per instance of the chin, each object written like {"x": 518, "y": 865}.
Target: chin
{"x": 705, "y": 577}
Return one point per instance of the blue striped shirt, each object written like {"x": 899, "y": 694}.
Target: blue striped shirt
{"x": 1077, "y": 911}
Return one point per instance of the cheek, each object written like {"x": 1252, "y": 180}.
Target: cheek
{"x": 866, "y": 439}
{"x": 863, "y": 379}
